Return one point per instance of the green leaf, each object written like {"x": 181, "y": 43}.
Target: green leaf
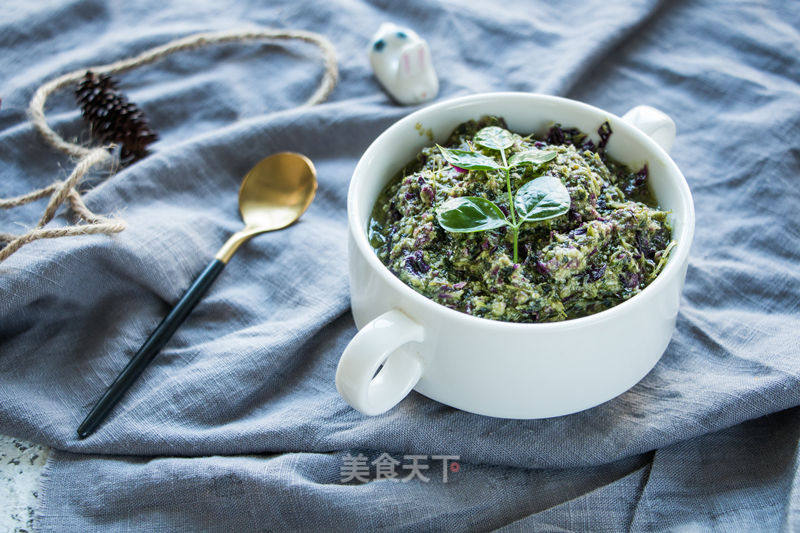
{"x": 531, "y": 157}
{"x": 494, "y": 138}
{"x": 468, "y": 160}
{"x": 470, "y": 213}
{"x": 541, "y": 199}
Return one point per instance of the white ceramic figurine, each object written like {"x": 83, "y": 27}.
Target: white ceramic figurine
{"x": 402, "y": 63}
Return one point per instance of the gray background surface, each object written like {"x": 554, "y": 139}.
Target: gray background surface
{"x": 237, "y": 424}
{"x": 21, "y": 465}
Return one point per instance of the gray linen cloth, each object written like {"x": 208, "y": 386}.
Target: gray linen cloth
{"x": 237, "y": 425}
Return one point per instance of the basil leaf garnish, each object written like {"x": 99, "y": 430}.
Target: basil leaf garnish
{"x": 466, "y": 214}
{"x": 541, "y": 199}
{"x": 494, "y": 138}
{"x": 531, "y": 157}
{"x": 468, "y": 160}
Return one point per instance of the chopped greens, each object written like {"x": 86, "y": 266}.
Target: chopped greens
{"x": 521, "y": 229}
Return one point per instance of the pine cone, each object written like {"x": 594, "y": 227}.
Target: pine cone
{"x": 113, "y": 118}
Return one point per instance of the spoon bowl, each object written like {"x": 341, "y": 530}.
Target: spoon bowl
{"x": 277, "y": 190}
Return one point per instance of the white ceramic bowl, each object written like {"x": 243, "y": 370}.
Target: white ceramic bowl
{"x": 496, "y": 368}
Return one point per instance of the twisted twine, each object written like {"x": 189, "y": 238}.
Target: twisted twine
{"x": 61, "y": 191}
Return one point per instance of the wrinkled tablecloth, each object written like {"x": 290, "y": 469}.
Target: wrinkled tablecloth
{"x": 237, "y": 424}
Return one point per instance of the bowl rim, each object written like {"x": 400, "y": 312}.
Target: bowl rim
{"x": 678, "y": 256}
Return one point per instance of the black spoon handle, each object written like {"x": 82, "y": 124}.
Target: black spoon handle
{"x": 150, "y": 348}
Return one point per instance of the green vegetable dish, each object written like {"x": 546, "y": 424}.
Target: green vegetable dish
{"x": 521, "y": 228}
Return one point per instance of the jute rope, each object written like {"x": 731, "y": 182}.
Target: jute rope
{"x": 61, "y": 191}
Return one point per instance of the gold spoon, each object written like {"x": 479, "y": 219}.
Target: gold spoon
{"x": 272, "y": 196}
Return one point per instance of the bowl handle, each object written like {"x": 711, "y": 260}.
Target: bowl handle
{"x": 654, "y": 123}
{"x": 378, "y": 344}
